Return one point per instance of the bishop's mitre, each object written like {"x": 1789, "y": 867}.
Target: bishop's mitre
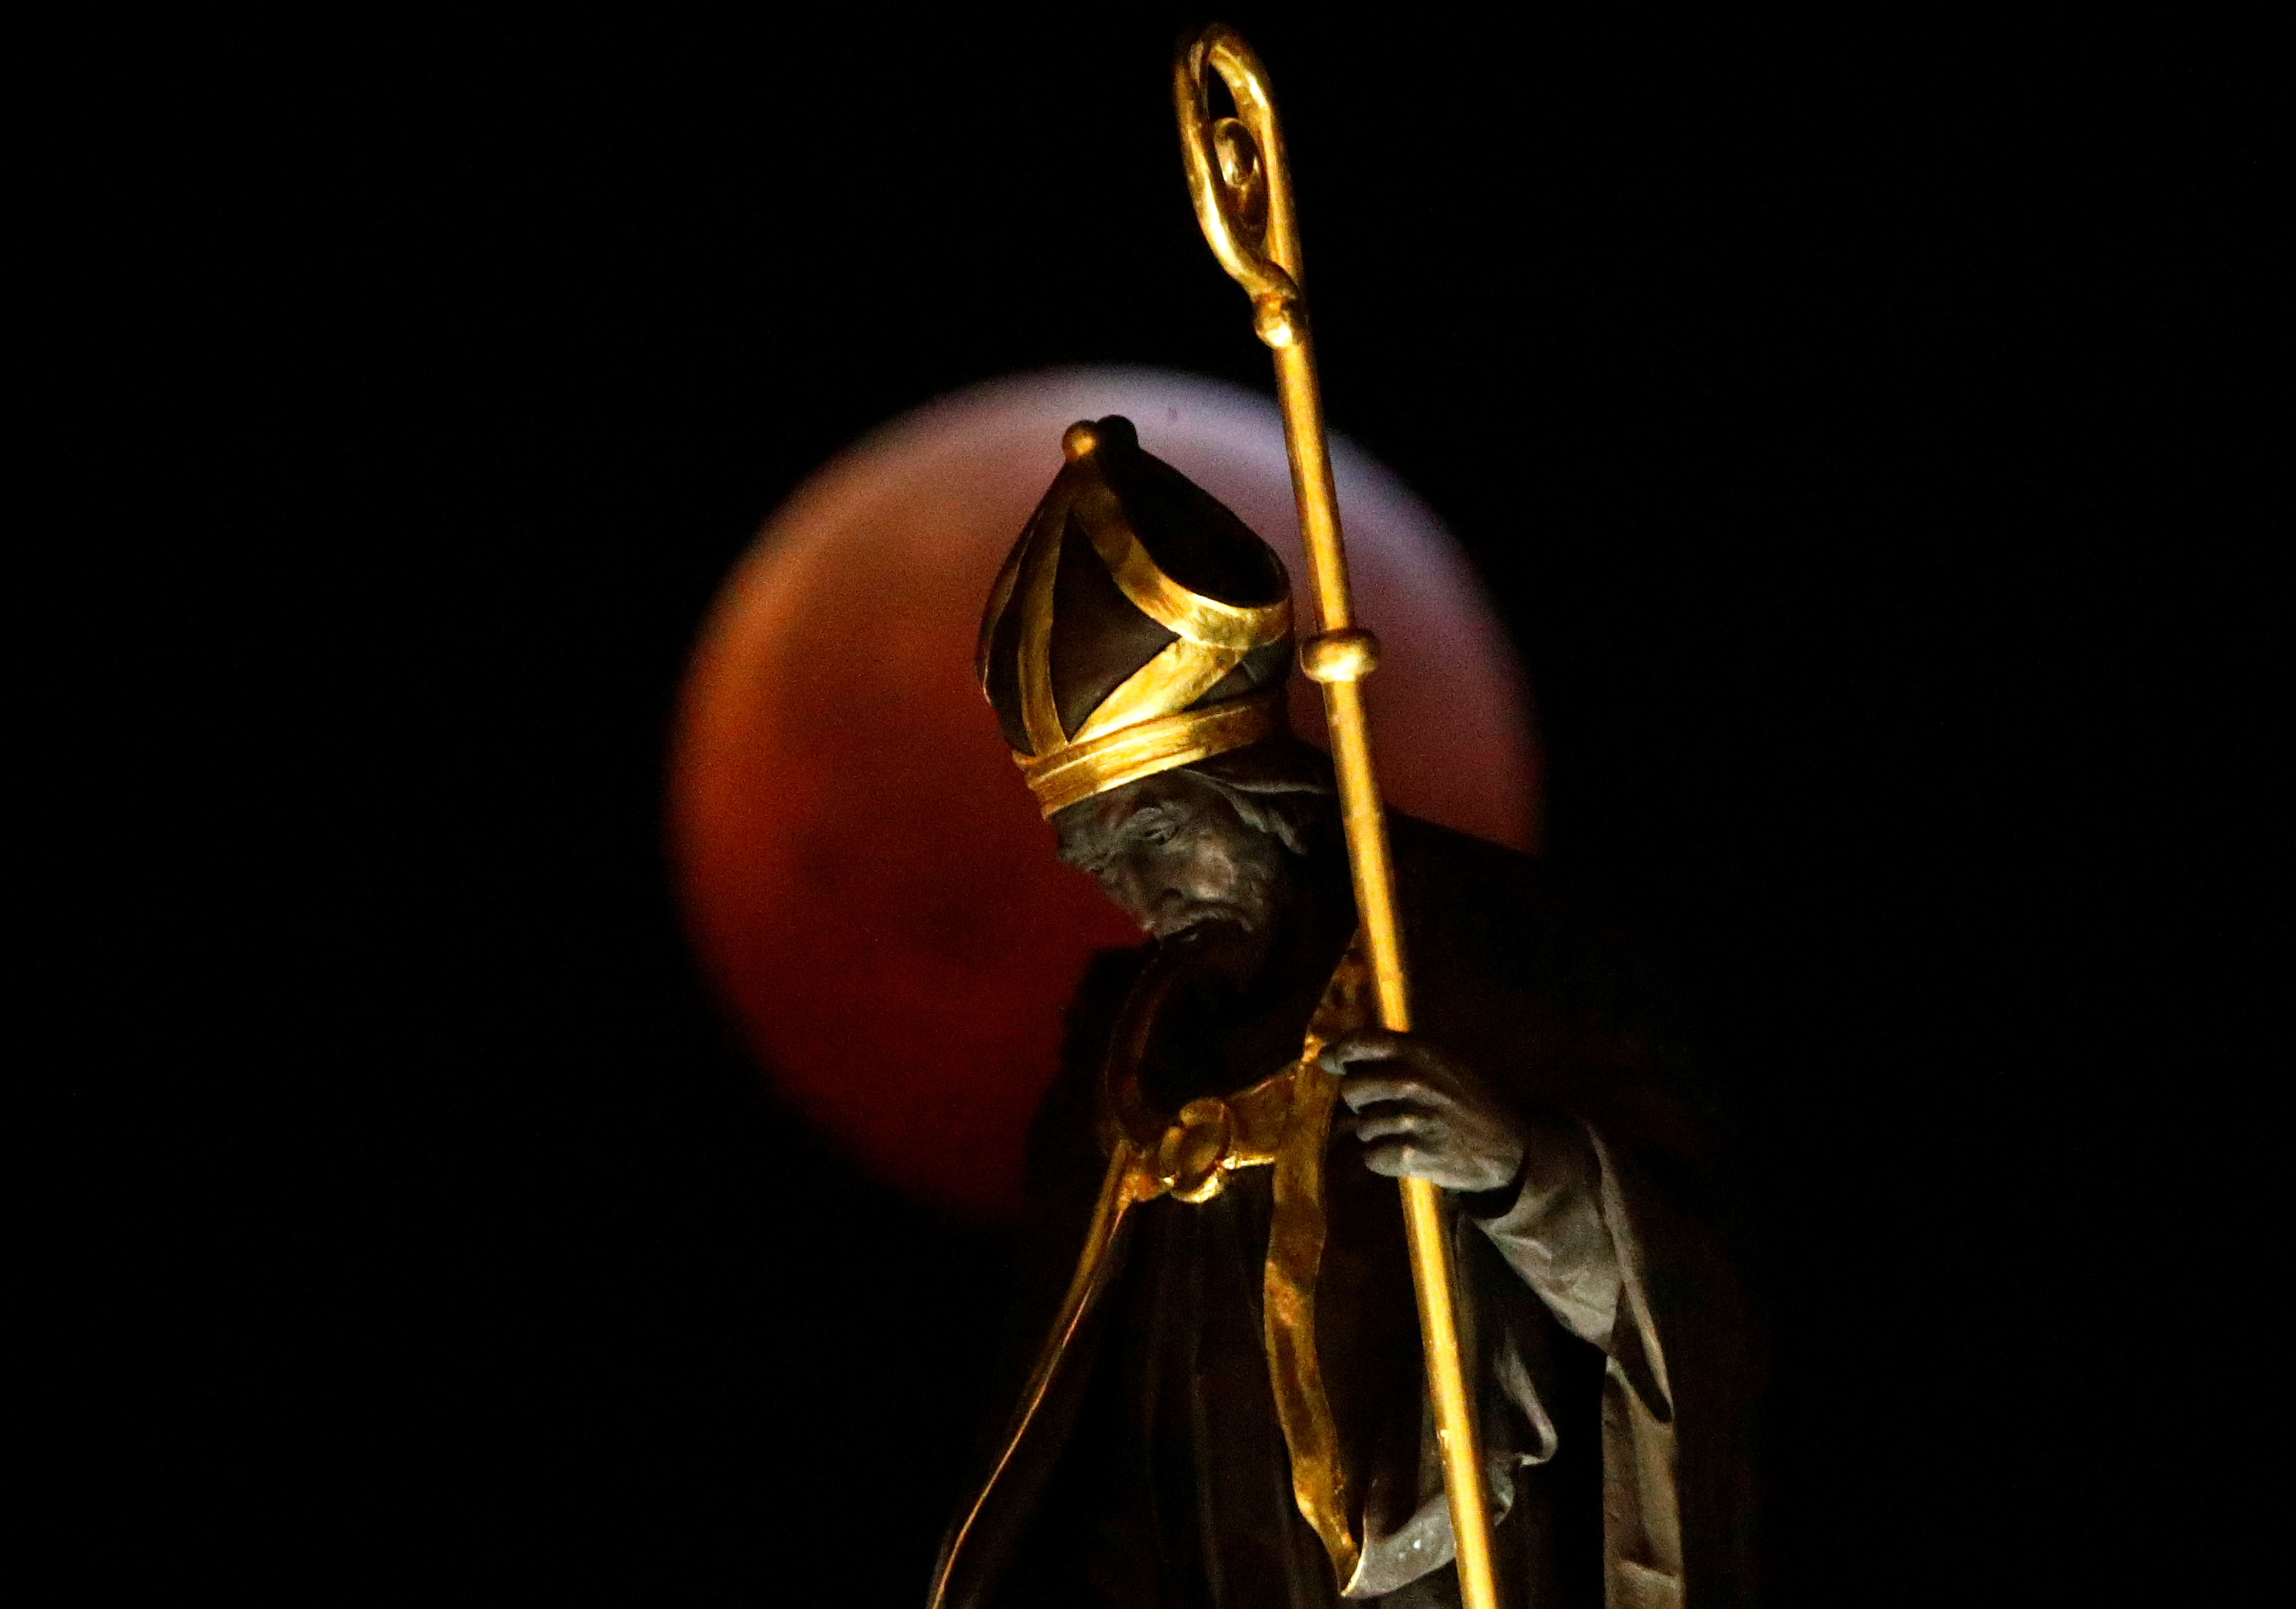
{"x": 1137, "y": 625}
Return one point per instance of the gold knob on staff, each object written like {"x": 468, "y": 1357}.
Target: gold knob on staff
{"x": 1348, "y": 655}
{"x": 1242, "y": 185}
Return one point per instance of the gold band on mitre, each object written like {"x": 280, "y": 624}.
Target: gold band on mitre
{"x": 1080, "y": 770}
{"x": 1144, "y": 725}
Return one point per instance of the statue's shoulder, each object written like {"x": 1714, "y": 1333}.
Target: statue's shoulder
{"x": 1495, "y": 930}
{"x": 1064, "y": 1157}
{"x": 1499, "y": 944}
{"x": 1456, "y": 885}
{"x": 1091, "y": 1018}
{"x": 1108, "y": 977}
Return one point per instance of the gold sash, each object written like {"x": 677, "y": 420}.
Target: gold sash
{"x": 1283, "y": 1121}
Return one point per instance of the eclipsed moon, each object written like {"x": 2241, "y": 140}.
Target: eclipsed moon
{"x": 865, "y": 878}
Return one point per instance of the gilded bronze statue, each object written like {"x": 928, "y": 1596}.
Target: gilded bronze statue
{"x": 1258, "y": 1380}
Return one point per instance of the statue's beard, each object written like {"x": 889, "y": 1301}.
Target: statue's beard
{"x": 1224, "y": 941}
{"x": 1248, "y": 905}
{"x": 1196, "y": 920}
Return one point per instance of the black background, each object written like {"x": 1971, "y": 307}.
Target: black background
{"x": 1828, "y": 416}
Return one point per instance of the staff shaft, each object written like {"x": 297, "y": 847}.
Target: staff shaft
{"x": 1242, "y": 187}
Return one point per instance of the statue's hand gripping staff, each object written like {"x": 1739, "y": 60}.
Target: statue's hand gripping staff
{"x": 1243, "y": 190}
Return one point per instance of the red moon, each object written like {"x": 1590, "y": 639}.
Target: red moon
{"x": 865, "y": 878}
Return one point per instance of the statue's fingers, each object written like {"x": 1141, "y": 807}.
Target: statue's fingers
{"x": 1363, "y": 1089}
{"x": 1365, "y": 1044}
{"x": 1397, "y": 1122}
{"x": 1394, "y": 1159}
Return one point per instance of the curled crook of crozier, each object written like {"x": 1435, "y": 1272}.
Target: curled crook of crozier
{"x": 1243, "y": 181}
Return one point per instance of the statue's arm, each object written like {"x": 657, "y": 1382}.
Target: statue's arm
{"x": 1549, "y": 1227}
{"x": 1529, "y": 1177}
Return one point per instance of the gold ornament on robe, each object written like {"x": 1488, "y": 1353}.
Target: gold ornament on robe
{"x": 1284, "y": 1121}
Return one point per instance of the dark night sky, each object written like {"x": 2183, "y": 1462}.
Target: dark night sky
{"x": 1824, "y": 412}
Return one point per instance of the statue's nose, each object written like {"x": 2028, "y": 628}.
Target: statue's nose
{"x": 1168, "y": 902}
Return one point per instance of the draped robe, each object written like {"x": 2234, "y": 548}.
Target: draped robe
{"x": 1601, "y": 1322}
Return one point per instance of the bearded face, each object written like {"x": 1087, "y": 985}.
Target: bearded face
{"x": 1173, "y": 854}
